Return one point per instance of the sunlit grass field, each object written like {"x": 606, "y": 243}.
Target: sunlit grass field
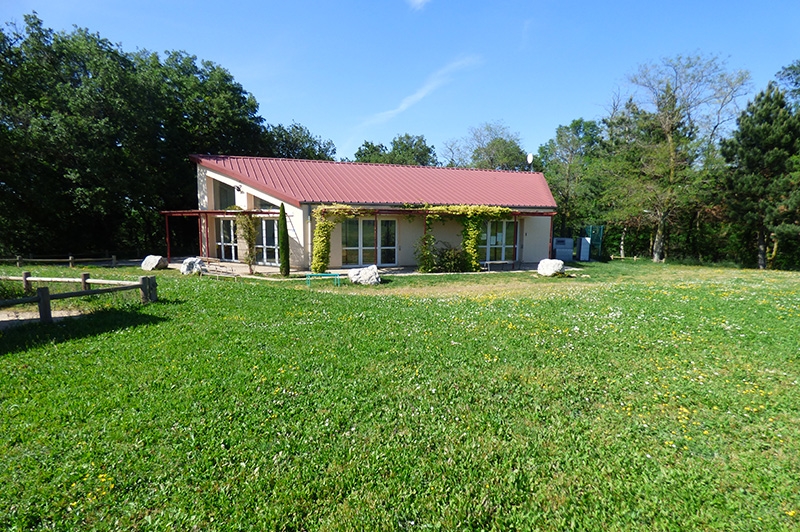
{"x": 633, "y": 396}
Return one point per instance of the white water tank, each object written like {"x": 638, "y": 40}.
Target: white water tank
{"x": 584, "y": 244}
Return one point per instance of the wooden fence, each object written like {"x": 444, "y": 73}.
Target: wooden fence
{"x": 146, "y": 286}
{"x": 21, "y": 261}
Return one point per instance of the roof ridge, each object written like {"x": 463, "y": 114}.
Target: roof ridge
{"x": 362, "y": 163}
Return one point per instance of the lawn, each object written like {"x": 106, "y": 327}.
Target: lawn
{"x": 633, "y": 396}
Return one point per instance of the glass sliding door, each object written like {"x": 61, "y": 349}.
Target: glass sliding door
{"x": 364, "y": 242}
{"x": 267, "y": 242}
{"x": 226, "y": 240}
{"x": 388, "y": 247}
{"x": 498, "y": 242}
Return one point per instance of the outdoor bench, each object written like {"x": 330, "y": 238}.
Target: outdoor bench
{"x": 504, "y": 264}
{"x": 219, "y": 269}
{"x": 335, "y": 276}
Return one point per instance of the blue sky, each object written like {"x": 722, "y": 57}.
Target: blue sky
{"x": 353, "y": 70}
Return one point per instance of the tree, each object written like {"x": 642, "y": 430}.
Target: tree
{"x": 296, "y": 142}
{"x": 492, "y": 146}
{"x": 371, "y": 153}
{"x": 412, "y": 150}
{"x": 763, "y": 188}
{"x": 789, "y": 77}
{"x": 73, "y": 119}
{"x": 409, "y": 150}
{"x": 247, "y": 226}
{"x": 283, "y": 242}
{"x": 567, "y": 160}
{"x": 95, "y": 141}
{"x": 690, "y": 101}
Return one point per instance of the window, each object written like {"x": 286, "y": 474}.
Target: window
{"x": 264, "y": 205}
{"x": 498, "y": 242}
{"x": 267, "y": 242}
{"x": 224, "y": 196}
{"x": 226, "y": 240}
{"x": 364, "y": 242}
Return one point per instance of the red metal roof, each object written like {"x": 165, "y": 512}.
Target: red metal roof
{"x": 297, "y": 181}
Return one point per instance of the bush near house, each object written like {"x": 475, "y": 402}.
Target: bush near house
{"x": 642, "y": 397}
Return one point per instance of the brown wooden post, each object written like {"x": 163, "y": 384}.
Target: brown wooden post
{"x": 45, "y": 315}
{"x": 19, "y": 261}
{"x": 113, "y": 261}
{"x": 84, "y": 281}
{"x": 26, "y": 284}
{"x": 169, "y": 247}
{"x": 144, "y": 289}
{"x": 153, "y": 288}
{"x": 71, "y": 261}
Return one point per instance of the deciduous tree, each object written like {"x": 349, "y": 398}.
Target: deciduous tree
{"x": 690, "y": 100}
{"x": 567, "y": 160}
{"x": 409, "y": 150}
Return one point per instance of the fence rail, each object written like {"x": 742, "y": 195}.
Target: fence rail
{"x": 146, "y": 285}
{"x": 21, "y": 261}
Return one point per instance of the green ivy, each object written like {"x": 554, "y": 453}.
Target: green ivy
{"x": 247, "y": 228}
{"x": 326, "y": 218}
{"x": 472, "y": 217}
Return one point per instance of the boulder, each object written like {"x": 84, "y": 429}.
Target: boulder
{"x": 368, "y": 275}
{"x": 550, "y": 267}
{"x": 193, "y": 265}
{"x": 154, "y": 262}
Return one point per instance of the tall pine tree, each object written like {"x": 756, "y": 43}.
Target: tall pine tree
{"x": 762, "y": 188}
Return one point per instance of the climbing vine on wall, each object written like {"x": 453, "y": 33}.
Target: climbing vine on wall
{"x": 326, "y": 217}
{"x": 472, "y": 217}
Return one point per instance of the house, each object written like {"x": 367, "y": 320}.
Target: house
{"x": 392, "y": 203}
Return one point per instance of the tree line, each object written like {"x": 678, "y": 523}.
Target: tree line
{"x": 675, "y": 168}
{"x": 679, "y": 169}
{"x": 95, "y": 142}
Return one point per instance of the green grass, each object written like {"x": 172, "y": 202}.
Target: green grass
{"x": 632, "y": 397}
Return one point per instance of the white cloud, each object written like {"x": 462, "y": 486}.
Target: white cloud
{"x": 437, "y": 79}
{"x": 416, "y": 5}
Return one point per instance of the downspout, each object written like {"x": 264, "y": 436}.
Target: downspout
{"x": 208, "y": 243}
{"x": 377, "y": 244}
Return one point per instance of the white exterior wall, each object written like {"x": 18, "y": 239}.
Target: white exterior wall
{"x": 447, "y": 232}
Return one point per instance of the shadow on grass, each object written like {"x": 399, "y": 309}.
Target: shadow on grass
{"x": 35, "y": 334}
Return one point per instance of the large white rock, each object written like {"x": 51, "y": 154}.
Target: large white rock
{"x": 368, "y": 275}
{"x": 154, "y": 262}
{"x": 550, "y": 267}
{"x": 193, "y": 265}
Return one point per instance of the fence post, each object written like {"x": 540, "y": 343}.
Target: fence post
{"x": 19, "y": 261}
{"x": 84, "y": 281}
{"x": 45, "y": 315}
{"x": 113, "y": 261}
{"x": 153, "y": 289}
{"x": 144, "y": 289}
{"x": 26, "y": 284}
{"x": 71, "y": 261}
